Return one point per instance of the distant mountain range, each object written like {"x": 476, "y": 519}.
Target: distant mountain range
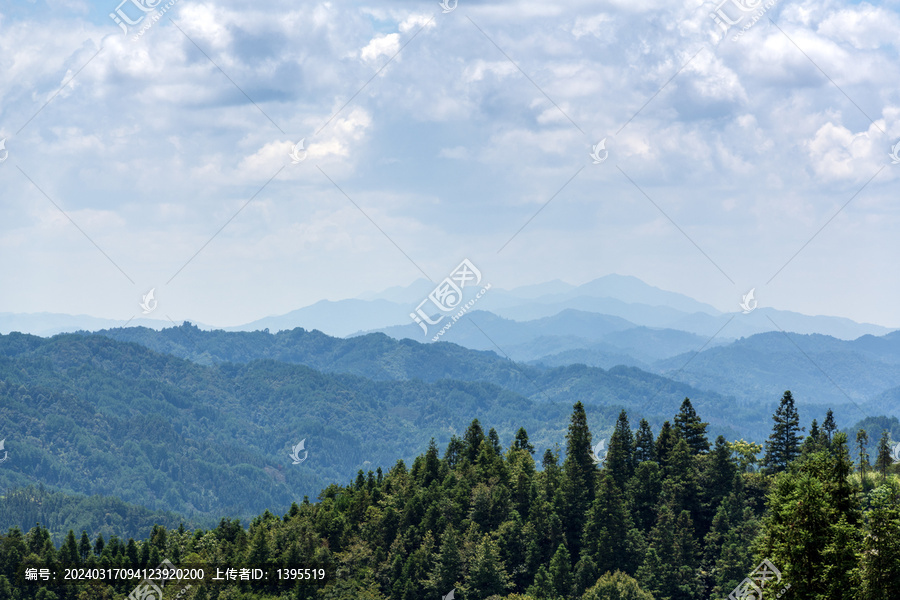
{"x": 639, "y": 368}
{"x": 627, "y": 298}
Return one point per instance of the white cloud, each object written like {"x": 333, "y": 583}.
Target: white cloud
{"x": 383, "y": 45}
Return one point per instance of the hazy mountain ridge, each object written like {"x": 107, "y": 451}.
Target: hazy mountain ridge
{"x": 620, "y": 296}
{"x": 381, "y": 358}
{"x": 815, "y": 367}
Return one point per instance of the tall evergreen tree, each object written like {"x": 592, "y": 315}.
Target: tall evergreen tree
{"x": 691, "y": 429}
{"x": 521, "y": 441}
{"x": 456, "y": 449}
{"x": 68, "y": 554}
{"x": 841, "y": 562}
{"x": 717, "y": 479}
{"x": 797, "y": 529}
{"x": 620, "y": 457}
{"x": 644, "y": 444}
{"x": 561, "y": 572}
{"x": 881, "y": 546}
{"x": 495, "y": 441}
{"x": 862, "y": 444}
{"x": 487, "y": 574}
{"x": 815, "y": 441}
{"x": 610, "y": 539}
{"x": 643, "y": 494}
{"x": 783, "y": 445}
{"x": 473, "y": 437}
{"x": 884, "y": 458}
{"x": 842, "y": 493}
{"x": 549, "y": 459}
{"x": 579, "y": 471}
{"x": 448, "y": 565}
{"x": 84, "y": 546}
{"x": 665, "y": 443}
{"x": 829, "y": 426}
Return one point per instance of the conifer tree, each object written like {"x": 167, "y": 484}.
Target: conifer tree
{"x": 841, "y": 562}
{"x": 691, "y": 429}
{"x": 448, "y": 565}
{"x": 884, "y": 458}
{"x": 487, "y": 575}
{"x": 521, "y": 441}
{"x": 131, "y": 553}
{"x": 843, "y": 495}
{"x": 561, "y": 573}
{"x": 579, "y": 472}
{"x": 656, "y": 574}
{"x": 797, "y": 530}
{"x": 68, "y": 554}
{"x": 717, "y": 478}
{"x": 681, "y": 485}
{"x": 541, "y": 588}
{"x": 665, "y": 443}
{"x": 880, "y": 572}
{"x": 473, "y": 437}
{"x": 783, "y": 445}
{"x": 620, "y": 457}
{"x": 829, "y": 426}
{"x": 862, "y": 443}
{"x": 455, "y": 451}
{"x": 584, "y": 576}
{"x": 610, "y": 539}
{"x": 432, "y": 467}
{"x": 643, "y": 494}
{"x": 495, "y": 441}
{"x": 814, "y": 442}
{"x": 549, "y": 459}
{"x": 84, "y": 546}
{"x": 644, "y": 444}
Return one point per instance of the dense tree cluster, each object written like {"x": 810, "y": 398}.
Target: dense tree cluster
{"x": 670, "y": 516}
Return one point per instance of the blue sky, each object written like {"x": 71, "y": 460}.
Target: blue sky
{"x": 730, "y": 160}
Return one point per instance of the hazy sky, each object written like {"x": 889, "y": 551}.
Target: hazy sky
{"x": 726, "y": 157}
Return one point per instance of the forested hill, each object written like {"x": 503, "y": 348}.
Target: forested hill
{"x": 378, "y": 357}
{"x": 668, "y": 515}
{"x": 374, "y": 356}
{"x": 92, "y": 415}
